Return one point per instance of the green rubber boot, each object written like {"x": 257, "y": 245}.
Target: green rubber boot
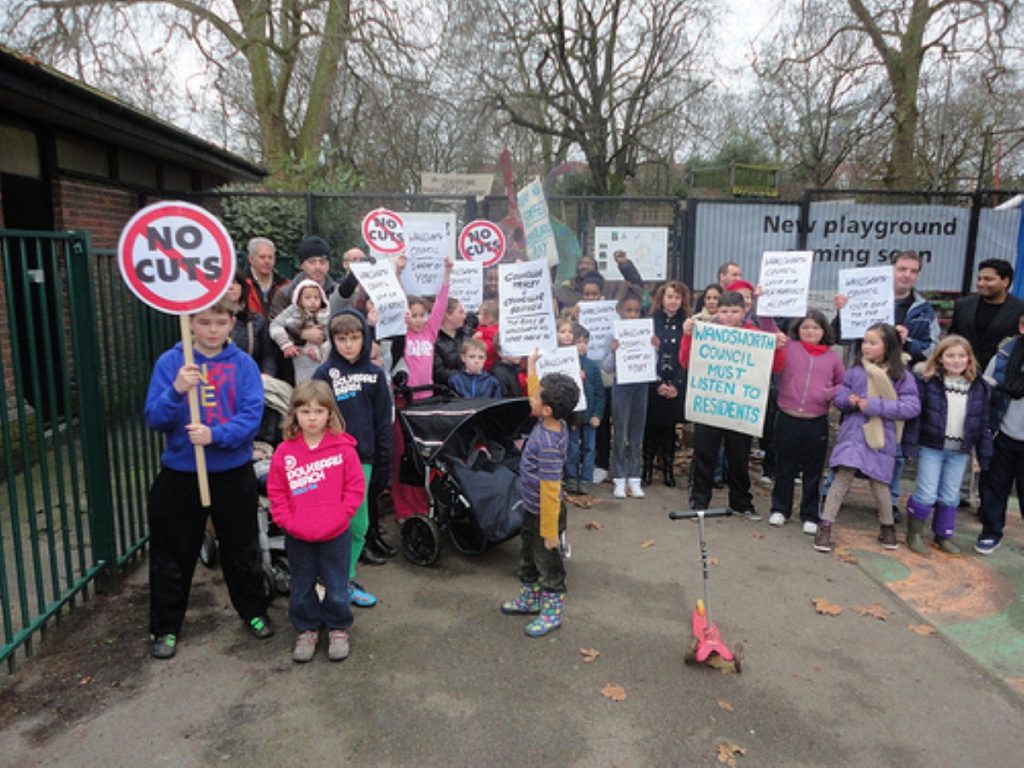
{"x": 947, "y": 546}
{"x": 914, "y": 527}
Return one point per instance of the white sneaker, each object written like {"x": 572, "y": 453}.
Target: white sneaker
{"x": 776, "y": 518}
{"x": 619, "y": 492}
{"x": 600, "y": 475}
{"x": 766, "y": 481}
{"x": 635, "y": 489}
{"x": 810, "y": 527}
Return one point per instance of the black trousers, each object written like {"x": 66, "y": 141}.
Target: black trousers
{"x": 805, "y": 443}
{"x": 706, "y": 442}
{"x": 176, "y": 524}
{"x": 537, "y": 564}
{"x": 1005, "y": 467}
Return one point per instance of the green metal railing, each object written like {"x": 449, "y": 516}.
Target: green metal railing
{"x": 76, "y": 455}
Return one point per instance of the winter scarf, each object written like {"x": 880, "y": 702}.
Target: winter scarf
{"x": 879, "y": 385}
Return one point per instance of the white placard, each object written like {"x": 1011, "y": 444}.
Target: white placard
{"x": 524, "y": 296}
{"x": 636, "y": 360}
{"x": 728, "y": 377}
{"x": 785, "y": 280}
{"x": 381, "y": 284}
{"x": 869, "y": 299}
{"x": 563, "y": 360}
{"x": 598, "y": 317}
{"x": 429, "y": 240}
{"x": 646, "y": 247}
{"x": 467, "y": 284}
{"x": 540, "y": 238}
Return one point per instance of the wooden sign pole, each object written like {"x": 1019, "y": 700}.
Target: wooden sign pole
{"x": 193, "y": 410}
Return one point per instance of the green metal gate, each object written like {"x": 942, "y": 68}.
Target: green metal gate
{"x": 76, "y": 455}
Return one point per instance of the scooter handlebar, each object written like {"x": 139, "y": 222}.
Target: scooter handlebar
{"x": 690, "y": 514}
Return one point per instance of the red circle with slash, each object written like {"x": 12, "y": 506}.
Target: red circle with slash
{"x": 383, "y": 231}
{"x": 482, "y": 241}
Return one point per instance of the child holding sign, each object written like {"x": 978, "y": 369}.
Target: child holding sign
{"x": 707, "y": 439}
{"x": 877, "y": 396}
{"x": 231, "y": 403}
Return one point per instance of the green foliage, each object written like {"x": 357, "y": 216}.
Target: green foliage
{"x": 282, "y": 219}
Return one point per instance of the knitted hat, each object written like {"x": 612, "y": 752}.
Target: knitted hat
{"x": 313, "y": 246}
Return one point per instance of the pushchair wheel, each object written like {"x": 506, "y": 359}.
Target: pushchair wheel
{"x": 282, "y": 576}
{"x": 421, "y": 540}
{"x": 466, "y": 537}
{"x": 208, "y": 549}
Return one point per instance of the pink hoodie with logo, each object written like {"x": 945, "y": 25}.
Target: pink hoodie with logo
{"x": 315, "y": 492}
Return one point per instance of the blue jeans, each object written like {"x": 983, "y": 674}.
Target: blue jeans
{"x": 326, "y": 561}
{"x": 897, "y": 473}
{"x": 938, "y": 477}
{"x": 579, "y": 457}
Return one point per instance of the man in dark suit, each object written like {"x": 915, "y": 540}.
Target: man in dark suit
{"x": 990, "y": 315}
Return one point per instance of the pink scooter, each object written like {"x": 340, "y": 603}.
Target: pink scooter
{"x": 706, "y": 646}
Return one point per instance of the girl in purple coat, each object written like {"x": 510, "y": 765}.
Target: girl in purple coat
{"x": 877, "y": 396}
{"x": 954, "y": 422}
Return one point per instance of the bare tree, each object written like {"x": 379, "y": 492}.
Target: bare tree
{"x": 600, "y": 77}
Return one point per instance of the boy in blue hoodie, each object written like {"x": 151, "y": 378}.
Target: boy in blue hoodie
{"x": 579, "y": 464}
{"x": 231, "y": 405}
{"x": 361, "y": 390}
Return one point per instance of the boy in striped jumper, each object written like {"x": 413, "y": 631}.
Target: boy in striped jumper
{"x": 541, "y": 571}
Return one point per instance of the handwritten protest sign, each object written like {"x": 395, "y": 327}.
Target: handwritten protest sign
{"x": 540, "y": 239}
{"x": 381, "y": 284}
{"x": 524, "y": 297}
{"x": 563, "y": 360}
{"x": 467, "y": 284}
{"x": 646, "y": 247}
{"x": 429, "y": 240}
{"x": 727, "y": 381}
{"x": 597, "y": 317}
{"x": 869, "y": 299}
{"x": 785, "y": 280}
{"x": 635, "y": 359}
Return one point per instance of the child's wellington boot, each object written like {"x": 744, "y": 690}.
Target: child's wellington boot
{"x": 914, "y": 527}
{"x": 550, "y": 617}
{"x": 943, "y": 525}
{"x": 527, "y": 602}
{"x": 947, "y": 545}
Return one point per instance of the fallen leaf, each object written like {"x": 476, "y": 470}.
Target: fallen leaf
{"x": 589, "y": 654}
{"x": 85, "y": 681}
{"x": 756, "y": 535}
{"x": 847, "y": 556}
{"x": 725, "y": 705}
{"x": 921, "y": 629}
{"x": 824, "y": 607}
{"x": 614, "y": 691}
{"x": 646, "y": 543}
{"x": 727, "y": 752}
{"x": 593, "y": 525}
{"x": 713, "y": 561}
{"x": 874, "y": 610}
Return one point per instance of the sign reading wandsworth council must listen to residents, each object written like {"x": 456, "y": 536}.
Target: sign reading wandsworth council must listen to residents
{"x": 727, "y": 381}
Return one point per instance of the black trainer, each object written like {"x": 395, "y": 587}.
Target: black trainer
{"x": 260, "y": 627}
{"x": 163, "y": 646}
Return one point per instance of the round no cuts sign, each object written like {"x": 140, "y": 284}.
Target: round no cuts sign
{"x": 482, "y": 241}
{"x": 176, "y": 257}
{"x": 383, "y": 231}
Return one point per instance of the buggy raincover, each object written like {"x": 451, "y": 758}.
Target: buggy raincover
{"x": 467, "y": 448}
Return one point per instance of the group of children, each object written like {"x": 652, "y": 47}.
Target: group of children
{"x": 339, "y": 443}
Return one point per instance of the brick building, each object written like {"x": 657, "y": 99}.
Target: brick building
{"x": 74, "y": 158}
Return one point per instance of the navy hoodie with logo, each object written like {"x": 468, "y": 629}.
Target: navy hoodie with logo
{"x": 364, "y": 399}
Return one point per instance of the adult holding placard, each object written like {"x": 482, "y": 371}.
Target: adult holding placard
{"x": 207, "y": 402}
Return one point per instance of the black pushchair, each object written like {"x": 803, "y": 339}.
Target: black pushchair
{"x": 465, "y": 454}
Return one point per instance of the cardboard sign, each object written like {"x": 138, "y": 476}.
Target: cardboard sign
{"x": 383, "y": 231}
{"x": 785, "y": 281}
{"x": 176, "y": 257}
{"x": 429, "y": 241}
{"x": 869, "y": 299}
{"x": 524, "y": 298}
{"x": 636, "y": 360}
{"x": 540, "y": 239}
{"x": 467, "y": 284}
{"x": 563, "y": 360}
{"x": 727, "y": 381}
{"x": 482, "y": 241}
{"x": 646, "y": 247}
{"x": 598, "y": 317}
{"x": 381, "y": 284}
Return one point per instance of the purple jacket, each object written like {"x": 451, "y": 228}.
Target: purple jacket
{"x": 851, "y": 448}
{"x": 808, "y": 381}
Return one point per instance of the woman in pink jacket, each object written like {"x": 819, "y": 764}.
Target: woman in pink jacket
{"x": 316, "y": 484}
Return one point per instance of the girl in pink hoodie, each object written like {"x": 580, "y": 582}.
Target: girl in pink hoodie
{"x": 315, "y": 486}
